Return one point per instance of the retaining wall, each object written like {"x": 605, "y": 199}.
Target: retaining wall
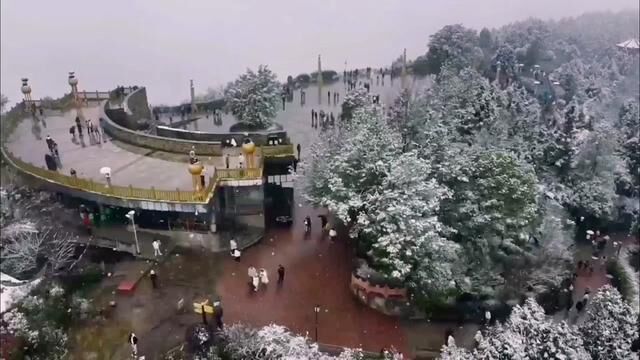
{"x": 113, "y": 118}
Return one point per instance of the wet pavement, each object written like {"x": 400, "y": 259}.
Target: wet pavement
{"x": 317, "y": 272}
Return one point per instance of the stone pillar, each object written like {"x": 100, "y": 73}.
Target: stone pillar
{"x": 319, "y": 80}
{"x": 404, "y": 70}
{"x": 193, "y": 97}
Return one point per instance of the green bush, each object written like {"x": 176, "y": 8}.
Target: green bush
{"x": 620, "y": 279}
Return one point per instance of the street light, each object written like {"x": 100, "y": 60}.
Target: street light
{"x": 316, "y": 309}
{"x": 130, "y": 216}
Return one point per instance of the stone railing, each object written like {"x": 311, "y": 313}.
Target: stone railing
{"x": 378, "y": 297}
{"x": 155, "y": 142}
{"x": 239, "y": 174}
{"x": 121, "y": 192}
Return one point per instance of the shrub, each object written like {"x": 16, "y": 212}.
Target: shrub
{"x": 620, "y": 279}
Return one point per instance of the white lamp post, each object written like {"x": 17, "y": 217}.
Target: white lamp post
{"x": 130, "y": 215}
{"x": 73, "y": 82}
{"x": 316, "y": 310}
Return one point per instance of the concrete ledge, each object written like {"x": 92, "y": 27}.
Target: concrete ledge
{"x": 154, "y": 142}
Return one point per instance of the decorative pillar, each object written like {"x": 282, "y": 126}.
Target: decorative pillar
{"x": 249, "y": 149}
{"x": 319, "y": 79}
{"x": 26, "y": 91}
{"x": 404, "y": 70}
{"x": 193, "y": 97}
{"x": 195, "y": 169}
{"x": 73, "y": 82}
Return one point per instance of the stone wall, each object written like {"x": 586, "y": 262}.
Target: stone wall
{"x": 259, "y": 138}
{"x": 155, "y": 142}
{"x": 137, "y": 108}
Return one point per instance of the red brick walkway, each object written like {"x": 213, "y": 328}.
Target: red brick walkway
{"x": 317, "y": 272}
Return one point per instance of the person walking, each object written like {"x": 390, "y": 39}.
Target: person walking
{"x": 323, "y": 221}
{"x": 328, "y": 97}
{"x": 252, "y": 272}
{"x": 226, "y": 160}
{"x": 299, "y": 148}
{"x": 333, "y": 234}
{"x": 280, "y": 274}
{"x": 235, "y": 254}
{"x": 303, "y": 98}
{"x": 154, "y": 278}
{"x": 307, "y": 224}
{"x": 487, "y": 317}
{"x": 79, "y": 126}
{"x": 54, "y": 150}
{"x": 156, "y": 248}
{"x": 49, "y": 142}
{"x": 233, "y": 245}
{"x": 255, "y": 281}
{"x": 284, "y": 99}
{"x": 264, "y": 278}
{"x": 133, "y": 341}
{"x": 217, "y": 314}
{"x": 240, "y": 161}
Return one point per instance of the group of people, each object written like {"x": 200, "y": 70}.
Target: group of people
{"x": 322, "y": 119}
{"x": 257, "y": 278}
{"x": 325, "y": 226}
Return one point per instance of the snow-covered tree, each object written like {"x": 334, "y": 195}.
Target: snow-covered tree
{"x": 527, "y": 334}
{"x": 22, "y": 253}
{"x": 454, "y": 45}
{"x": 253, "y": 97}
{"x": 354, "y": 100}
{"x": 495, "y": 198}
{"x": 350, "y": 162}
{"x": 274, "y": 342}
{"x": 506, "y": 57}
{"x": 450, "y": 351}
{"x": 401, "y": 222}
{"x": 610, "y": 326}
{"x": 592, "y": 175}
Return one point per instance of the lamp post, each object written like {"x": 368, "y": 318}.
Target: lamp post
{"x": 130, "y": 216}
{"x": 73, "y": 82}
{"x": 316, "y": 310}
{"x": 26, "y": 91}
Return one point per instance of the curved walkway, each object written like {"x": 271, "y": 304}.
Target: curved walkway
{"x": 87, "y": 155}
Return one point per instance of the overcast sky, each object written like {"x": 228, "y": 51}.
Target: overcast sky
{"x": 161, "y": 44}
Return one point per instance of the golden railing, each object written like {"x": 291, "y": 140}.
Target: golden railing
{"x": 277, "y": 150}
{"x": 117, "y": 191}
{"x": 133, "y": 193}
{"x": 239, "y": 174}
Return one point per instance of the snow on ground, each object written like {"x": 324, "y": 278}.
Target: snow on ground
{"x": 12, "y": 290}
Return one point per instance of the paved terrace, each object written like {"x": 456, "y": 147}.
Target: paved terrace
{"x": 129, "y": 166}
{"x": 144, "y": 168}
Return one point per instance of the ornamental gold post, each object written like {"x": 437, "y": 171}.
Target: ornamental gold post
{"x": 249, "y": 150}
{"x": 195, "y": 169}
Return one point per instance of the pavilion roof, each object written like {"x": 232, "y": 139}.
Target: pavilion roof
{"x": 629, "y": 44}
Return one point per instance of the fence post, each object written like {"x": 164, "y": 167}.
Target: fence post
{"x": 130, "y": 190}
{"x": 178, "y": 192}
{"x": 153, "y": 191}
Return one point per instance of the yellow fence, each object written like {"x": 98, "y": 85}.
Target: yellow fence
{"x": 277, "y": 150}
{"x": 239, "y": 174}
{"x": 133, "y": 193}
{"x": 123, "y": 192}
